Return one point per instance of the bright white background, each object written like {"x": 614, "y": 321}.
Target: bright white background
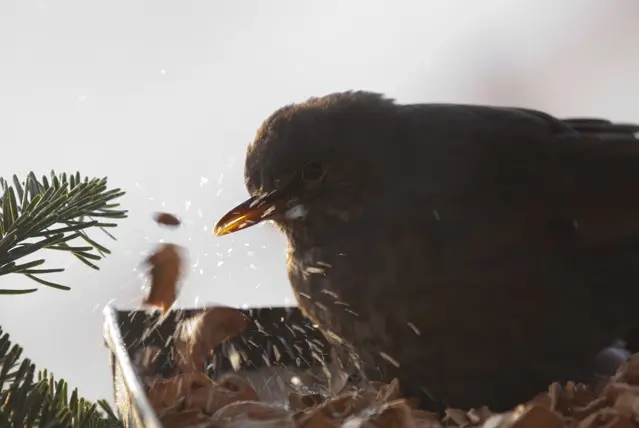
{"x": 163, "y": 96}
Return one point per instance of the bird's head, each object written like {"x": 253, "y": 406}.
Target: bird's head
{"x": 316, "y": 160}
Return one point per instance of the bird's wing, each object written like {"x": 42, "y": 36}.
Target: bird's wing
{"x": 491, "y": 186}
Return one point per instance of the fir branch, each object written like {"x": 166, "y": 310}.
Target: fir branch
{"x": 29, "y": 402}
{"x": 56, "y": 209}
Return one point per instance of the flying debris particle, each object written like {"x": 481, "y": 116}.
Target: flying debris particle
{"x": 414, "y": 328}
{"x": 219, "y": 180}
{"x": 203, "y": 181}
{"x": 330, "y": 293}
{"x": 277, "y": 354}
{"x": 298, "y": 328}
{"x": 313, "y": 269}
{"x": 220, "y": 263}
{"x": 163, "y": 72}
{"x": 321, "y": 306}
{"x": 219, "y": 192}
{"x": 436, "y": 214}
{"x": 187, "y": 205}
{"x": 166, "y": 219}
{"x": 269, "y": 211}
{"x": 235, "y": 358}
{"x": 200, "y": 214}
{"x": 388, "y": 358}
{"x": 252, "y": 266}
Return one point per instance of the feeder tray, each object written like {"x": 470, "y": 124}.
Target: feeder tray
{"x": 277, "y": 341}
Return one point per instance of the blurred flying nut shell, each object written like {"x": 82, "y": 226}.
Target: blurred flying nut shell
{"x": 166, "y": 219}
{"x": 251, "y": 411}
{"x": 165, "y": 272}
{"x": 205, "y": 331}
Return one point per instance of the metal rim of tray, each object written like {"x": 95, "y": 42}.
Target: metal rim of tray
{"x": 143, "y": 411}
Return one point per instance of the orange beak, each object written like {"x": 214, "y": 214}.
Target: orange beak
{"x": 254, "y": 210}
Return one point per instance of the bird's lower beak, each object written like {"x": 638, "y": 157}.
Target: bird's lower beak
{"x": 249, "y": 213}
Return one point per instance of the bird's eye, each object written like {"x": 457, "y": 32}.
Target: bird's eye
{"x": 313, "y": 171}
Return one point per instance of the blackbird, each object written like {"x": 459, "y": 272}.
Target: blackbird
{"x": 476, "y": 253}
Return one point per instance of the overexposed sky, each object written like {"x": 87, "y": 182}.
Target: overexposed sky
{"x": 163, "y": 96}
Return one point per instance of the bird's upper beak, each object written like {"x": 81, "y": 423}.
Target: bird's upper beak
{"x": 251, "y": 212}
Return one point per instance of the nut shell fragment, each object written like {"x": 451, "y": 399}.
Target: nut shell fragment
{"x": 199, "y": 335}
{"x": 165, "y": 273}
{"x": 166, "y": 219}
